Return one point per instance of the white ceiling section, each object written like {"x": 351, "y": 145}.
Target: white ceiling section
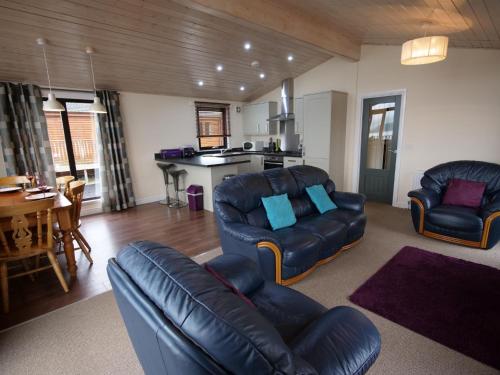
{"x": 167, "y": 47}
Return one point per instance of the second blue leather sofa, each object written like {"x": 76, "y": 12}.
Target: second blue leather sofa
{"x": 182, "y": 320}
{"x": 288, "y": 254}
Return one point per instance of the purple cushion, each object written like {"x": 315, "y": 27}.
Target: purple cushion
{"x": 464, "y": 193}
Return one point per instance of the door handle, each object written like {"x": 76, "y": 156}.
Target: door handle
{"x": 393, "y": 151}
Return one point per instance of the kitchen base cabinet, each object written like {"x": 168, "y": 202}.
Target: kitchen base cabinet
{"x": 290, "y": 161}
{"x": 256, "y": 163}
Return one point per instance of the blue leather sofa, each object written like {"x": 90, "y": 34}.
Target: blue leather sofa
{"x": 463, "y": 225}
{"x": 286, "y": 255}
{"x": 182, "y": 320}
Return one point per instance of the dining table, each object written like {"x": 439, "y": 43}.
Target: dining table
{"x": 62, "y": 212}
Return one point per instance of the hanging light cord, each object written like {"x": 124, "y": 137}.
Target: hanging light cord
{"x": 47, "y": 68}
{"x": 92, "y": 71}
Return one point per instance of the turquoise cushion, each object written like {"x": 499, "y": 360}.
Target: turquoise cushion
{"x": 320, "y": 198}
{"x": 279, "y": 211}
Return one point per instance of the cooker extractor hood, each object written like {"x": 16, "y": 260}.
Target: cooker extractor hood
{"x": 286, "y": 102}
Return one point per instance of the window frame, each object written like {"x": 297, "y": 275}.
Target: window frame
{"x": 68, "y": 139}
{"x": 213, "y": 107}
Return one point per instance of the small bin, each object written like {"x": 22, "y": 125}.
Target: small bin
{"x": 195, "y": 197}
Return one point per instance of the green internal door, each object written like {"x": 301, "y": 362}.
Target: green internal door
{"x": 379, "y": 147}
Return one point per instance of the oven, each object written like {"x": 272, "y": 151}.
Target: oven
{"x": 271, "y": 161}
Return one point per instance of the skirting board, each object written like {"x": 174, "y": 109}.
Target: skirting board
{"x": 150, "y": 199}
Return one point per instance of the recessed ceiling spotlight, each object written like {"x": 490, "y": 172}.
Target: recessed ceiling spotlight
{"x": 242, "y": 88}
{"x": 247, "y": 46}
{"x": 290, "y": 57}
{"x": 262, "y": 75}
{"x": 201, "y": 83}
{"x": 219, "y": 67}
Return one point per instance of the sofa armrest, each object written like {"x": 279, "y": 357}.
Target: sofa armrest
{"x": 428, "y": 198}
{"x": 240, "y": 271}
{"x": 349, "y": 201}
{"x": 248, "y": 233}
{"x": 491, "y": 208}
{"x": 342, "y": 340}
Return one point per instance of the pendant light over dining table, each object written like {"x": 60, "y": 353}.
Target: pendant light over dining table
{"x": 425, "y": 50}
{"x": 51, "y": 104}
{"x": 97, "y": 106}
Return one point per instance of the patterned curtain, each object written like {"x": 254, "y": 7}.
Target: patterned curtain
{"x": 116, "y": 185}
{"x": 23, "y": 129}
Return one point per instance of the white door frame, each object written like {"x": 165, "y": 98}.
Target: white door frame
{"x": 358, "y": 140}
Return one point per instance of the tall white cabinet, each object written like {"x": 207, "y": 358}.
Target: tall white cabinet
{"x": 255, "y": 118}
{"x": 324, "y": 127}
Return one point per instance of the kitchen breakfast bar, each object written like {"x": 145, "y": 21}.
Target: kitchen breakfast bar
{"x": 207, "y": 171}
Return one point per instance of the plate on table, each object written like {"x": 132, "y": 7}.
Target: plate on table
{"x": 10, "y": 189}
{"x": 37, "y": 190}
{"x": 34, "y": 197}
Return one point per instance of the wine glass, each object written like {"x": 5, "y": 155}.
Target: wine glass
{"x": 30, "y": 178}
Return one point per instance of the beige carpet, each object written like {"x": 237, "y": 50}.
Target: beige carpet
{"x": 88, "y": 337}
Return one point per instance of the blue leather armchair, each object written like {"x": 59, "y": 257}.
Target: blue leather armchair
{"x": 286, "y": 255}
{"x": 182, "y": 320}
{"x": 463, "y": 225}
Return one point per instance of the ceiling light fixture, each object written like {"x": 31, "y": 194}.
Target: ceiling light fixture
{"x": 247, "y": 46}
{"x": 51, "y": 104}
{"x": 262, "y": 75}
{"x": 425, "y": 50}
{"x": 219, "y": 67}
{"x": 97, "y": 106}
{"x": 290, "y": 58}
{"x": 242, "y": 88}
{"x": 201, "y": 83}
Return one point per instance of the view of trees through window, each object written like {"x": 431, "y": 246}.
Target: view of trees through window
{"x": 211, "y": 128}
{"x": 79, "y": 158}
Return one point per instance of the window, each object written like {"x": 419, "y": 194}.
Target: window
{"x": 73, "y": 140}
{"x": 212, "y": 125}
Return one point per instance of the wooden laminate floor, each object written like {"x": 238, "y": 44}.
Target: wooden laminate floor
{"x": 191, "y": 232}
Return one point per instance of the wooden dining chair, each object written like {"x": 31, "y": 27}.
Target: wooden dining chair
{"x": 27, "y": 236}
{"x": 62, "y": 183}
{"x": 75, "y": 195}
{"x": 14, "y": 181}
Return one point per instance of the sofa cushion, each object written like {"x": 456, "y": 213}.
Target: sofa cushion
{"x": 320, "y": 198}
{"x": 243, "y": 192}
{"x": 454, "y": 217}
{"x": 300, "y": 248}
{"x": 279, "y": 211}
{"x": 232, "y": 333}
{"x": 464, "y": 193}
{"x": 437, "y": 177}
{"x": 282, "y": 182}
{"x": 306, "y": 175}
{"x": 331, "y": 232}
{"x": 288, "y": 310}
{"x": 354, "y": 220}
{"x": 326, "y": 341}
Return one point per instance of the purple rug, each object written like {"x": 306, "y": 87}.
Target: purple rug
{"x": 449, "y": 300}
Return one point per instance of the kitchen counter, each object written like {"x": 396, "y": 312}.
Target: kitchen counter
{"x": 205, "y": 160}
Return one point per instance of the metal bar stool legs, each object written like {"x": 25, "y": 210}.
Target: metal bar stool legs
{"x": 176, "y": 175}
{"x": 166, "y": 168}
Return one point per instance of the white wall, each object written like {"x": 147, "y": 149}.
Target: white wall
{"x": 452, "y": 107}
{"x": 154, "y": 122}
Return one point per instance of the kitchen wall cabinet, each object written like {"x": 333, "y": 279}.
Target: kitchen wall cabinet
{"x": 289, "y": 161}
{"x": 324, "y": 127}
{"x": 255, "y": 118}
{"x": 299, "y": 116}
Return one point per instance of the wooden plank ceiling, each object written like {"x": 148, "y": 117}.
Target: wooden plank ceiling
{"x": 468, "y": 23}
{"x": 166, "y": 47}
